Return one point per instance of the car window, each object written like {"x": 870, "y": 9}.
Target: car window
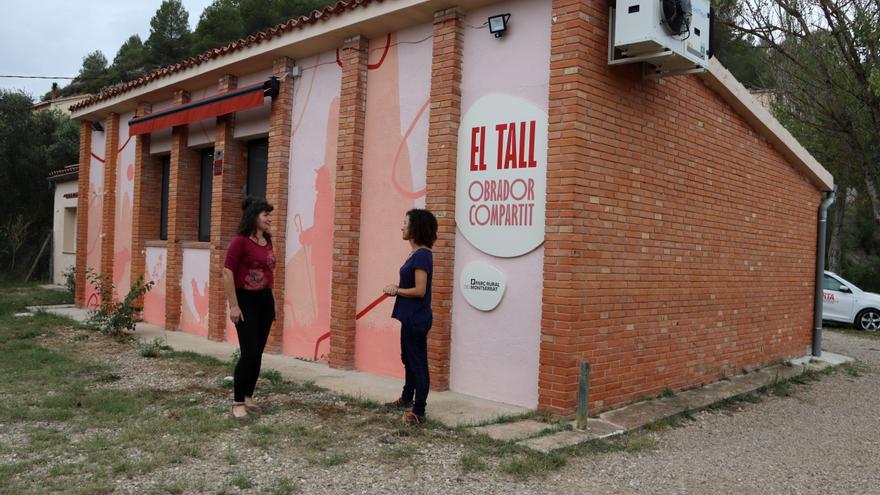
{"x": 831, "y": 283}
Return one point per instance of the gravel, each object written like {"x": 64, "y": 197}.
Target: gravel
{"x": 822, "y": 439}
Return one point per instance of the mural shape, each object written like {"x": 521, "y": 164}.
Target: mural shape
{"x": 194, "y": 291}
{"x": 394, "y": 175}
{"x": 309, "y": 260}
{"x": 154, "y": 300}
{"x": 96, "y": 206}
{"x": 124, "y": 207}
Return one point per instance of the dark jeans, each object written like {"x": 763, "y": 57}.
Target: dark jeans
{"x": 258, "y": 310}
{"x": 414, "y": 354}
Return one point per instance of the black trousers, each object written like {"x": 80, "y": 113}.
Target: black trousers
{"x": 258, "y": 310}
{"x": 414, "y": 354}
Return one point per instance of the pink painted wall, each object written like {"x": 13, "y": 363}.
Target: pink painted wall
{"x": 308, "y": 262}
{"x": 96, "y": 205}
{"x": 124, "y": 208}
{"x": 495, "y": 355}
{"x": 154, "y": 300}
{"x": 194, "y": 291}
{"x": 394, "y": 175}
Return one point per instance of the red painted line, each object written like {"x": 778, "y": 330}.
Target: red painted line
{"x": 124, "y": 145}
{"x": 384, "y": 54}
{"x": 412, "y": 126}
{"x": 305, "y": 105}
{"x": 366, "y": 310}
{"x": 381, "y": 59}
{"x": 371, "y": 306}
{"x": 96, "y": 157}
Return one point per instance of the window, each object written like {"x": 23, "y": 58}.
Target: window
{"x": 831, "y": 283}
{"x": 163, "y": 210}
{"x": 205, "y": 195}
{"x": 69, "y": 242}
{"x": 258, "y": 160}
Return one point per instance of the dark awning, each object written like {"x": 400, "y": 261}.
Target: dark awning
{"x": 234, "y": 101}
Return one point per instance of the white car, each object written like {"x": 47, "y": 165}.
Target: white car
{"x": 846, "y": 303}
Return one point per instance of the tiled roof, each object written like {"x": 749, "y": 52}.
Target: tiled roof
{"x": 68, "y": 170}
{"x": 255, "y": 39}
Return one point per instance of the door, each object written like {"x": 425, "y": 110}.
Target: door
{"x": 837, "y": 304}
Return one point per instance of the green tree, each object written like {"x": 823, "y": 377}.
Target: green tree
{"x": 130, "y": 61}
{"x": 93, "y": 75}
{"x": 219, "y": 24}
{"x": 170, "y": 38}
{"x": 31, "y": 145}
{"x": 257, "y": 15}
{"x": 741, "y": 54}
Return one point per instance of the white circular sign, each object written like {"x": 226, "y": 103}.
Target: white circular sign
{"x": 501, "y": 183}
{"x": 483, "y": 285}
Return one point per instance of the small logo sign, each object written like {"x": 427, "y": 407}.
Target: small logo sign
{"x": 483, "y": 285}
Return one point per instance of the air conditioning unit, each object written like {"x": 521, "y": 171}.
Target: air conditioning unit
{"x": 671, "y": 36}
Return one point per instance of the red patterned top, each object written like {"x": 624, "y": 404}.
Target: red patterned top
{"x": 250, "y": 263}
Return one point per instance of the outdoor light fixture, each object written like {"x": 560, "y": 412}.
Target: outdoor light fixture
{"x": 97, "y": 126}
{"x": 498, "y": 24}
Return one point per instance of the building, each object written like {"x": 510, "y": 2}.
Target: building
{"x": 64, "y": 183}
{"x": 62, "y": 104}
{"x": 662, "y": 230}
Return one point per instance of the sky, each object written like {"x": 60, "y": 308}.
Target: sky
{"x": 51, "y": 37}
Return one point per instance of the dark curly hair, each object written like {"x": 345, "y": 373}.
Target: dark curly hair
{"x": 251, "y": 208}
{"x": 422, "y": 227}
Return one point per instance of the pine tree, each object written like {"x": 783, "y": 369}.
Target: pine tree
{"x": 219, "y": 24}
{"x": 170, "y": 37}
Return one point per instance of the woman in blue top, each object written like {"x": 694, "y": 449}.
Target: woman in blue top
{"x": 413, "y": 309}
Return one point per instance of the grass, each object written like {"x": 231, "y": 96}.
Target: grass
{"x": 241, "y": 481}
{"x": 284, "y": 486}
{"x": 471, "y": 462}
{"x": 848, "y": 330}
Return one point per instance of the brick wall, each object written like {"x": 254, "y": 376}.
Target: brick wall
{"x": 147, "y": 200}
{"x": 346, "y": 232}
{"x": 226, "y": 197}
{"x": 680, "y": 245}
{"x": 277, "y": 173}
{"x": 445, "y": 117}
{"x": 108, "y": 216}
{"x": 82, "y": 210}
{"x": 183, "y": 212}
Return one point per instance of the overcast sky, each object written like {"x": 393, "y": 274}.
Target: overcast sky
{"x": 51, "y": 37}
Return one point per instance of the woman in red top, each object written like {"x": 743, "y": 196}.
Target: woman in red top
{"x": 247, "y": 277}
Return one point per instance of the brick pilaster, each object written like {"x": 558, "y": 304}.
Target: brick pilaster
{"x": 108, "y": 216}
{"x": 443, "y": 126}
{"x": 82, "y": 210}
{"x": 183, "y": 212}
{"x": 280, "y": 122}
{"x": 346, "y": 232}
{"x": 571, "y": 49}
{"x": 147, "y": 199}
{"x": 226, "y": 197}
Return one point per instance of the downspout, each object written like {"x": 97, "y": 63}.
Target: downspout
{"x": 820, "y": 272}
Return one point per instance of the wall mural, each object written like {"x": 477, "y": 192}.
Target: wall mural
{"x": 309, "y": 262}
{"x": 496, "y": 354}
{"x": 96, "y": 206}
{"x": 394, "y": 176}
{"x": 154, "y": 300}
{"x": 194, "y": 291}
{"x": 124, "y": 204}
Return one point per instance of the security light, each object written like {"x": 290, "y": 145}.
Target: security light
{"x": 97, "y": 126}
{"x": 498, "y": 24}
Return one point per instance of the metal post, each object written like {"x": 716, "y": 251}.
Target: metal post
{"x": 583, "y": 395}
{"x": 820, "y": 272}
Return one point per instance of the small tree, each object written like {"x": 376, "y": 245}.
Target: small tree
{"x": 116, "y": 318}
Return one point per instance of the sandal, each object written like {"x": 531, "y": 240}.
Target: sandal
{"x": 399, "y": 403}
{"x": 413, "y": 419}
{"x": 253, "y": 408}
{"x": 243, "y": 417}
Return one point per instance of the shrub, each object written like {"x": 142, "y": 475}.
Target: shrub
{"x": 70, "y": 279}
{"x": 112, "y": 317}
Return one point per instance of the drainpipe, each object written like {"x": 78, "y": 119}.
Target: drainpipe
{"x": 820, "y": 272}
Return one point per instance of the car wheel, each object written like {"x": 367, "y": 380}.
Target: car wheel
{"x": 868, "y": 320}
